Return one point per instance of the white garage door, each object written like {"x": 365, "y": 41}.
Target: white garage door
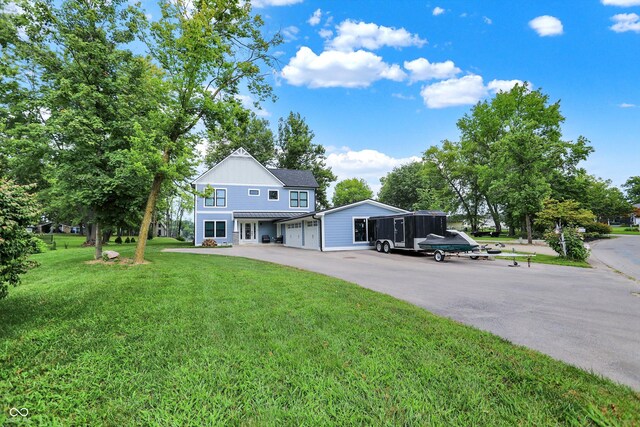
{"x": 294, "y": 235}
{"x": 311, "y": 238}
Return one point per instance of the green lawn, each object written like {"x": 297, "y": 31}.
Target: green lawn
{"x": 621, "y": 230}
{"x": 546, "y": 259}
{"x": 203, "y": 340}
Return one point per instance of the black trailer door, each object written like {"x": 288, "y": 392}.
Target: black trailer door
{"x": 399, "y": 232}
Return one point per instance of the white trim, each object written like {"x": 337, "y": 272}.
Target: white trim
{"x": 353, "y": 229}
{"x": 195, "y": 181}
{"x": 348, "y": 248}
{"x": 253, "y": 210}
{"x": 215, "y": 206}
{"x": 299, "y": 207}
{"x": 270, "y": 199}
{"x": 215, "y": 229}
{"x": 322, "y": 241}
{"x": 253, "y": 195}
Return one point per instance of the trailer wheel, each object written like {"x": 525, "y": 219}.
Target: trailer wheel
{"x": 379, "y": 246}
{"x": 386, "y": 247}
{"x": 474, "y": 256}
{"x": 438, "y": 256}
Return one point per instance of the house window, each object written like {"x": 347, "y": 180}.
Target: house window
{"x": 219, "y": 199}
{"x": 274, "y": 195}
{"x": 254, "y": 192}
{"x": 215, "y": 229}
{"x": 298, "y": 199}
{"x": 359, "y": 230}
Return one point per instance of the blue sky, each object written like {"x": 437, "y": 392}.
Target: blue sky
{"x": 357, "y": 71}
{"x": 381, "y": 81}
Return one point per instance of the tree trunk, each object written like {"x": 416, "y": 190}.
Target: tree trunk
{"x": 98, "y": 240}
{"x": 527, "y": 220}
{"x": 146, "y": 219}
{"x": 495, "y": 216}
{"x": 91, "y": 232}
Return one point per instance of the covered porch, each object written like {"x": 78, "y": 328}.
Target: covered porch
{"x": 259, "y": 227}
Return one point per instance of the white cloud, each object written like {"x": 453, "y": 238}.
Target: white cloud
{"x": 621, "y": 3}
{"x": 266, "y": 3}
{"x": 495, "y": 86}
{"x": 627, "y": 105}
{"x": 438, "y": 11}
{"x": 353, "y": 35}
{"x": 338, "y": 69}
{"x": 290, "y": 33}
{"x": 487, "y": 20}
{"x": 453, "y": 92}
{"x": 403, "y": 97}
{"x": 422, "y": 69}
{"x": 315, "y": 18}
{"x": 626, "y": 22}
{"x": 466, "y": 90}
{"x": 371, "y": 165}
{"x": 546, "y": 26}
{"x": 325, "y": 34}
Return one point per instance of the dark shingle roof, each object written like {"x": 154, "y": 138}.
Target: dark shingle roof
{"x": 266, "y": 215}
{"x": 295, "y": 178}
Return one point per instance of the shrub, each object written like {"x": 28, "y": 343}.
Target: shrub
{"x": 634, "y": 228}
{"x": 40, "y": 246}
{"x": 127, "y": 240}
{"x": 18, "y": 209}
{"x": 180, "y": 239}
{"x": 575, "y": 246}
{"x": 598, "y": 227}
{"x": 209, "y": 243}
{"x": 118, "y": 240}
{"x": 133, "y": 240}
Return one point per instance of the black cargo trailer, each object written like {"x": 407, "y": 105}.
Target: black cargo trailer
{"x": 405, "y": 231}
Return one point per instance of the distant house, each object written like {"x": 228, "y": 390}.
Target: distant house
{"x": 248, "y": 203}
{"x": 635, "y": 216}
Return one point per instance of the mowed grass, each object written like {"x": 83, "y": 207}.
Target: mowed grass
{"x": 545, "y": 259}
{"x": 624, "y": 231}
{"x": 209, "y": 340}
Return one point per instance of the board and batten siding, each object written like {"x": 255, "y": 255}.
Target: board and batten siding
{"x": 239, "y": 169}
{"x": 238, "y": 199}
{"x": 338, "y": 226}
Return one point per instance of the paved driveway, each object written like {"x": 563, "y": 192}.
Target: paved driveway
{"x": 587, "y": 317}
{"x": 621, "y": 253}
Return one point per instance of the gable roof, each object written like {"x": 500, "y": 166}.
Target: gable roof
{"x": 295, "y": 178}
{"x": 239, "y": 153}
{"x": 339, "y": 208}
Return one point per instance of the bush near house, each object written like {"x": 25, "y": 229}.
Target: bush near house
{"x": 598, "y": 228}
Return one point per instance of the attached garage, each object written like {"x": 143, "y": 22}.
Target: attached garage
{"x": 336, "y": 229}
{"x": 293, "y": 234}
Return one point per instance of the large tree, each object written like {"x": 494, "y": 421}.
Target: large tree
{"x": 350, "y": 191}
{"x": 295, "y": 150}
{"x": 632, "y": 187}
{"x": 205, "y": 50}
{"x": 95, "y": 92}
{"x": 230, "y": 126}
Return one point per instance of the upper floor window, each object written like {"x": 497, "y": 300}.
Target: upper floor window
{"x": 274, "y": 195}
{"x": 298, "y": 199}
{"x": 219, "y": 199}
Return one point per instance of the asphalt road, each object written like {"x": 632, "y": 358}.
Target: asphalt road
{"x": 621, "y": 253}
{"x": 586, "y": 317}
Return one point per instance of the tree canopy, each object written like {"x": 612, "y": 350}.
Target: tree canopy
{"x": 350, "y": 191}
{"x": 295, "y": 150}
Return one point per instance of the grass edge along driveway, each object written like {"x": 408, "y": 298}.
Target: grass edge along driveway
{"x": 192, "y": 340}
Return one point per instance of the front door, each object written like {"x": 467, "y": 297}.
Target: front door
{"x": 248, "y": 231}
